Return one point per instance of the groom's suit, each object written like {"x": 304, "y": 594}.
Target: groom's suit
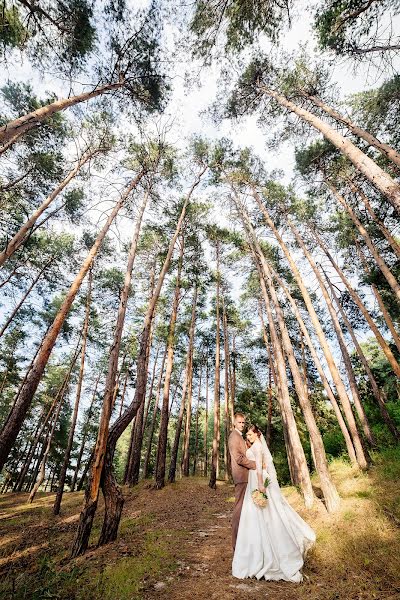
{"x": 240, "y": 473}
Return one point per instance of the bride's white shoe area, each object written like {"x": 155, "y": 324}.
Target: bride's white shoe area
{"x": 272, "y": 542}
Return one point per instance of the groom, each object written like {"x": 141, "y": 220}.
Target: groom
{"x": 240, "y": 470}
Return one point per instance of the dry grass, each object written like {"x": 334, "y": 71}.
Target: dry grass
{"x": 175, "y": 544}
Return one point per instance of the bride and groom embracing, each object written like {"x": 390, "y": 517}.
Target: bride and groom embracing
{"x": 269, "y": 542}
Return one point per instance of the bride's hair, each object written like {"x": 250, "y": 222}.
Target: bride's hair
{"x": 255, "y": 429}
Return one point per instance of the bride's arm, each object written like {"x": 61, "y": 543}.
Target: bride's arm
{"x": 257, "y": 450}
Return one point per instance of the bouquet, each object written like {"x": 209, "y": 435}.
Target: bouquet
{"x": 260, "y": 498}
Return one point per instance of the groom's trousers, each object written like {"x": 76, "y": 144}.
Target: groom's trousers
{"x": 240, "y": 490}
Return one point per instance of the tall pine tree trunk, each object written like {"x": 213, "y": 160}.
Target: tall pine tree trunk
{"x": 17, "y": 415}
{"x": 67, "y": 455}
{"x": 154, "y": 417}
{"x": 163, "y": 433}
{"x": 217, "y": 433}
{"x": 188, "y": 420}
{"x": 371, "y": 171}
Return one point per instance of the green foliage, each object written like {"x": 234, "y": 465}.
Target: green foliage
{"x": 238, "y": 22}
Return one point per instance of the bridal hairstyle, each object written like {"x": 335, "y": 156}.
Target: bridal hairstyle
{"x": 255, "y": 429}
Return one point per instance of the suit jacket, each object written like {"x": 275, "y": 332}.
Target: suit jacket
{"x": 240, "y": 463}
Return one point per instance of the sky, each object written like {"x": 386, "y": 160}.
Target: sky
{"x": 185, "y": 112}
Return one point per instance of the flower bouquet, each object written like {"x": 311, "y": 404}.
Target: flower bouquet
{"x": 260, "y": 498}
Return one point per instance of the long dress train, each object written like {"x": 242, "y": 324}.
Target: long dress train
{"x": 272, "y": 541}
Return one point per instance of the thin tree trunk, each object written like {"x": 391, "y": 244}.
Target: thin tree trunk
{"x": 359, "y": 192}
{"x": 371, "y": 247}
{"x": 216, "y": 437}
{"x": 21, "y": 235}
{"x": 270, "y": 375}
{"x": 16, "y": 417}
{"x": 385, "y": 149}
{"x": 112, "y": 495}
{"x": 329, "y": 490}
{"x": 188, "y": 421}
{"x": 13, "y": 130}
{"x": 67, "y": 455}
{"x": 339, "y": 334}
{"x": 163, "y": 431}
{"x": 155, "y": 410}
{"x": 371, "y": 171}
{"x": 42, "y": 470}
{"x": 150, "y": 396}
{"x": 361, "y": 459}
{"x": 24, "y": 297}
{"x": 186, "y": 385}
{"x": 41, "y": 429}
{"x": 206, "y": 425}
{"x": 196, "y": 438}
{"x": 84, "y": 434}
{"x": 384, "y": 311}
{"x": 228, "y": 405}
{"x": 325, "y": 382}
{"x": 297, "y": 458}
{"x": 357, "y": 300}
{"x": 374, "y": 386}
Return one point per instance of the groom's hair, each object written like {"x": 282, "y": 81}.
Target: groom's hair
{"x": 239, "y": 414}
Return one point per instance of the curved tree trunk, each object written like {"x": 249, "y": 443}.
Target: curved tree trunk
{"x": 325, "y": 382}
{"x": 342, "y": 343}
{"x": 163, "y": 431}
{"x": 374, "y": 386}
{"x": 359, "y": 192}
{"x": 13, "y": 130}
{"x": 19, "y": 238}
{"x": 371, "y": 246}
{"x": 216, "y": 437}
{"x": 385, "y": 149}
{"x": 17, "y": 415}
{"x": 361, "y": 459}
{"x": 357, "y": 300}
{"x": 112, "y": 496}
{"x": 67, "y": 455}
{"x": 371, "y": 171}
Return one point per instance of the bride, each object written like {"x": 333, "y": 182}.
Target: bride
{"x": 272, "y": 541}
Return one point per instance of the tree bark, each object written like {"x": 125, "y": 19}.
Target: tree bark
{"x": 21, "y": 235}
{"x": 371, "y": 171}
{"x": 186, "y": 385}
{"x": 325, "y": 382}
{"x": 163, "y": 432}
{"x": 341, "y": 390}
{"x": 13, "y": 130}
{"x": 228, "y": 405}
{"x": 371, "y": 247}
{"x": 67, "y": 455}
{"x": 188, "y": 420}
{"x": 216, "y": 436}
{"x": 342, "y": 343}
{"x": 155, "y": 410}
{"x": 84, "y": 435}
{"x": 16, "y": 417}
{"x": 359, "y": 192}
{"x": 24, "y": 297}
{"x": 374, "y": 386}
{"x": 112, "y": 496}
{"x": 206, "y": 425}
{"x": 357, "y": 300}
{"x": 385, "y": 149}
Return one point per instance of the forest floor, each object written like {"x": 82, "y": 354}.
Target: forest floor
{"x": 176, "y": 544}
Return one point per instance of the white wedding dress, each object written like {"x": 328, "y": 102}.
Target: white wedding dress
{"x": 272, "y": 541}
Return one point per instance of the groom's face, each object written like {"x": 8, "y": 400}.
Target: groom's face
{"x": 239, "y": 423}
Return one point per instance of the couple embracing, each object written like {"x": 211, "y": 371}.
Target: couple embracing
{"x": 269, "y": 542}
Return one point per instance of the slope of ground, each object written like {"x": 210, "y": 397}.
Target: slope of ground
{"x": 175, "y": 544}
